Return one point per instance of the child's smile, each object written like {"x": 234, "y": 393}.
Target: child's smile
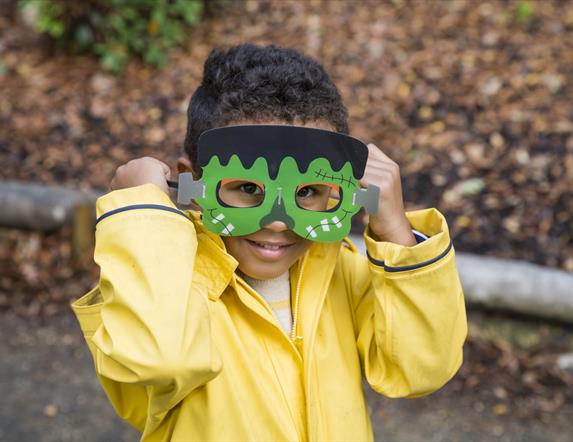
{"x": 269, "y": 252}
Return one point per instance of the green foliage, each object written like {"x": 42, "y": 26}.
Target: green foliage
{"x": 524, "y": 12}
{"x": 116, "y": 30}
{"x": 47, "y": 20}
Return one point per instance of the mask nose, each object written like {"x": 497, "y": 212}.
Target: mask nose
{"x": 277, "y": 213}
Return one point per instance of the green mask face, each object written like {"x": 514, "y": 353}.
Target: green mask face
{"x": 254, "y": 175}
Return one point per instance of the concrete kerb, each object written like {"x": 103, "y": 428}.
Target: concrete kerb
{"x": 512, "y": 285}
{"x": 40, "y": 207}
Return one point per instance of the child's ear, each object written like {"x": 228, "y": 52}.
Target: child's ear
{"x": 184, "y": 164}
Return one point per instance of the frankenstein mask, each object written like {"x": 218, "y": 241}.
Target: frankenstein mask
{"x": 256, "y": 174}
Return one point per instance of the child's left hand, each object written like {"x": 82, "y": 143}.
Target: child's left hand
{"x": 390, "y": 224}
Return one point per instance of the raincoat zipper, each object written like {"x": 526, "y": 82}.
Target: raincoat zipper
{"x": 293, "y": 335}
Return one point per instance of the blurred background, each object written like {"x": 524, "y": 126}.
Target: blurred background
{"x": 472, "y": 98}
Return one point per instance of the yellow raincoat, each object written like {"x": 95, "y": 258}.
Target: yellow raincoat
{"x": 186, "y": 350}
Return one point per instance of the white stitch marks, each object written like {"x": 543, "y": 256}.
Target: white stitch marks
{"x": 228, "y": 229}
{"x": 217, "y": 218}
{"x": 310, "y": 230}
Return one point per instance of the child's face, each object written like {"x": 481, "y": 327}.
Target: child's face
{"x": 271, "y": 251}
{"x": 268, "y": 253}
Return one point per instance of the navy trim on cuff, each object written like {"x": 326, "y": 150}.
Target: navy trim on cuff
{"x": 410, "y": 267}
{"x": 419, "y": 236}
{"x": 141, "y": 206}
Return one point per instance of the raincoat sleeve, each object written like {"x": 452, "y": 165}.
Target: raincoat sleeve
{"x": 146, "y": 324}
{"x": 409, "y": 312}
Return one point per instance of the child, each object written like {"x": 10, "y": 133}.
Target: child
{"x": 265, "y": 336}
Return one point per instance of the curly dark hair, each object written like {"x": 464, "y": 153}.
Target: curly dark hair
{"x": 261, "y": 83}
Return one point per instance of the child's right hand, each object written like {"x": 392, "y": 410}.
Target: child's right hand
{"x": 141, "y": 171}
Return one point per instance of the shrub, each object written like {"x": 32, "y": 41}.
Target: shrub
{"x": 524, "y": 12}
{"x": 116, "y": 30}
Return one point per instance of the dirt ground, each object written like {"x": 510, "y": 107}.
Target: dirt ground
{"x": 50, "y": 393}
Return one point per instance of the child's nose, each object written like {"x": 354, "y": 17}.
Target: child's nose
{"x": 276, "y": 226}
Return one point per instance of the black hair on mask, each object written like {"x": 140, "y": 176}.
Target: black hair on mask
{"x": 276, "y": 142}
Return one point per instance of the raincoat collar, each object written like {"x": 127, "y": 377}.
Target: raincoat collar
{"x": 216, "y": 267}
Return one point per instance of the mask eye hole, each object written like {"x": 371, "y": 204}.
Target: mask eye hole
{"x": 235, "y": 192}
{"x": 318, "y": 197}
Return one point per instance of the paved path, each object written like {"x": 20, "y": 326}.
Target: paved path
{"x": 50, "y": 393}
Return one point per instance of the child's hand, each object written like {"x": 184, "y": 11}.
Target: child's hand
{"x": 390, "y": 224}
{"x": 140, "y": 171}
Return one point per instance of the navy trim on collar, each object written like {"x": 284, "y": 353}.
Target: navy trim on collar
{"x": 141, "y": 206}
{"x": 413, "y": 266}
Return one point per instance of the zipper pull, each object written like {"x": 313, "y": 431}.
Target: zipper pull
{"x": 297, "y": 341}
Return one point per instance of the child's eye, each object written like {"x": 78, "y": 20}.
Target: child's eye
{"x": 305, "y": 192}
{"x": 318, "y": 196}
{"x": 241, "y": 193}
{"x": 251, "y": 189}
